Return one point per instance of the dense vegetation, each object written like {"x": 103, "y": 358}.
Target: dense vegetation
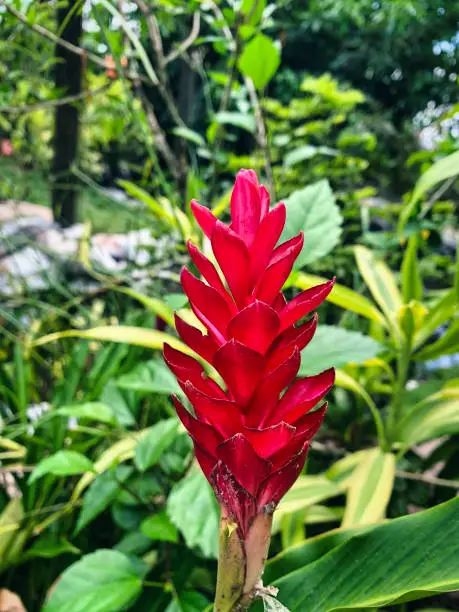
{"x": 114, "y": 115}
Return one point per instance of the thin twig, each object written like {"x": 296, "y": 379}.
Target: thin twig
{"x": 163, "y": 85}
{"x": 262, "y": 134}
{"x": 53, "y": 103}
{"x": 186, "y": 44}
{"x": 439, "y": 482}
{"x": 95, "y": 59}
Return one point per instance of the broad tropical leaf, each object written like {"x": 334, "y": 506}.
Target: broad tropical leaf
{"x": 407, "y": 558}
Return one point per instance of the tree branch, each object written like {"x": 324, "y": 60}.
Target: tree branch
{"x": 186, "y": 44}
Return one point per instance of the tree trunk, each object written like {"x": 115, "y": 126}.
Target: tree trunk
{"x": 68, "y": 79}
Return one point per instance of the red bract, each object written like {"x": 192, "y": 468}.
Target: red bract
{"x": 250, "y": 438}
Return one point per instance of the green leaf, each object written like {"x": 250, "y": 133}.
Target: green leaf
{"x": 342, "y": 296}
{"x": 154, "y": 442}
{"x": 188, "y": 601}
{"x": 313, "y": 211}
{"x": 62, "y": 463}
{"x": 188, "y": 134}
{"x": 101, "y": 493}
{"x": 440, "y": 171}
{"x": 11, "y": 538}
{"x": 150, "y": 377}
{"x": 93, "y": 411}
{"x": 380, "y": 281}
{"x": 435, "y": 416}
{"x": 49, "y": 546}
{"x": 240, "y": 120}
{"x": 159, "y": 527}
{"x": 306, "y": 152}
{"x": 307, "y": 491}
{"x": 309, "y": 551}
{"x": 138, "y": 336}
{"x": 193, "y": 509}
{"x": 407, "y": 558}
{"x": 336, "y": 347}
{"x": 438, "y": 314}
{"x": 260, "y": 60}
{"x": 370, "y": 489}
{"x": 253, "y": 11}
{"x": 104, "y": 581}
{"x": 448, "y": 344}
{"x": 411, "y": 276}
{"x": 113, "y": 397}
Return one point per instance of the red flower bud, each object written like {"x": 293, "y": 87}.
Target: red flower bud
{"x": 251, "y": 438}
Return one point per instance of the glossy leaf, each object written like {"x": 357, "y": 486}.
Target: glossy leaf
{"x": 370, "y": 489}
{"x": 193, "y": 509}
{"x": 62, "y": 463}
{"x": 313, "y": 211}
{"x": 240, "y": 120}
{"x": 396, "y": 561}
{"x": 104, "y": 581}
{"x": 346, "y": 347}
{"x": 306, "y": 152}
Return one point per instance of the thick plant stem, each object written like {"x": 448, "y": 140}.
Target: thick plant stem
{"x": 231, "y": 567}
{"x": 241, "y": 563}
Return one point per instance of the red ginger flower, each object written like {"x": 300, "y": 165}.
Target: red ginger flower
{"x": 250, "y": 440}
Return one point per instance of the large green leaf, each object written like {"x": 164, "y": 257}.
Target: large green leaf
{"x": 154, "y": 442}
{"x": 313, "y": 211}
{"x": 62, "y": 463}
{"x": 260, "y": 60}
{"x": 150, "y": 377}
{"x": 193, "y": 509}
{"x": 408, "y": 558}
{"x": 370, "y": 489}
{"x": 104, "y": 581}
{"x": 336, "y": 347}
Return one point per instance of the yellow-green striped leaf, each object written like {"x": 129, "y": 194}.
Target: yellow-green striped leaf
{"x": 380, "y": 281}
{"x": 342, "y": 296}
{"x": 370, "y": 489}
